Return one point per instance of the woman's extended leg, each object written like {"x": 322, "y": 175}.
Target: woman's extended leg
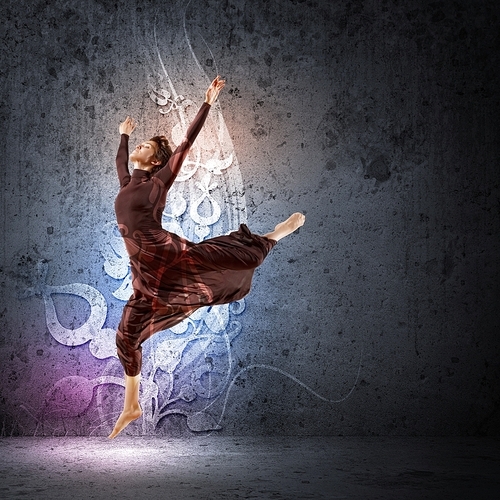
{"x": 131, "y": 407}
{"x": 238, "y": 251}
{"x": 287, "y": 227}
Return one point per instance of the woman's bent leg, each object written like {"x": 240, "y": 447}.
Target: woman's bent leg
{"x": 133, "y": 326}
{"x": 141, "y": 318}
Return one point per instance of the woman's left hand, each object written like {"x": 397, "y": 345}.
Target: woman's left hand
{"x": 127, "y": 126}
{"x": 213, "y": 91}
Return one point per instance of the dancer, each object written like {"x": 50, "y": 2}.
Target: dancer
{"x": 171, "y": 276}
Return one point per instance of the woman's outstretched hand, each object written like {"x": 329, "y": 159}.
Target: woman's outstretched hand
{"x": 128, "y": 126}
{"x": 213, "y": 91}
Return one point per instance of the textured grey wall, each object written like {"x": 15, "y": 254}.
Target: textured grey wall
{"x": 379, "y": 120}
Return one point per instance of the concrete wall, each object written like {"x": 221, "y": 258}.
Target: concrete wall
{"x": 377, "y": 119}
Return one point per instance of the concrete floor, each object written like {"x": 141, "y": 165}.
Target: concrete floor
{"x": 215, "y": 467}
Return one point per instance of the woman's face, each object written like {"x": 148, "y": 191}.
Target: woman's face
{"x": 144, "y": 154}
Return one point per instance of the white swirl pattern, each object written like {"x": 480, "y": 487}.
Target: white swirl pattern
{"x": 190, "y": 367}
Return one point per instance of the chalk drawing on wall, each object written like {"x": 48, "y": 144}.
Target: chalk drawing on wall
{"x": 188, "y": 370}
{"x": 101, "y": 339}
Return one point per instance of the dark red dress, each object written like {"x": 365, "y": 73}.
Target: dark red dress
{"x": 171, "y": 276}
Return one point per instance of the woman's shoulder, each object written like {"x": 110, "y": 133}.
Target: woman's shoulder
{"x": 156, "y": 180}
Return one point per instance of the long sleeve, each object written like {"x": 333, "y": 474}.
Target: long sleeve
{"x": 122, "y": 161}
{"x": 169, "y": 172}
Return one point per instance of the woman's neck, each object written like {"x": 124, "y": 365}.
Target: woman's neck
{"x": 142, "y": 166}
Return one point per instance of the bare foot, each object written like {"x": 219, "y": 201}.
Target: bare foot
{"x": 124, "y": 419}
{"x": 287, "y": 227}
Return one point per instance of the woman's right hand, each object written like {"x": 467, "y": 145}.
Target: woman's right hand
{"x": 127, "y": 126}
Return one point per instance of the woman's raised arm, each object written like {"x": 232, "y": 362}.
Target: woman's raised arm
{"x": 126, "y": 128}
{"x": 169, "y": 172}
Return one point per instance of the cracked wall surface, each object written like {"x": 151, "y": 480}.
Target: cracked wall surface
{"x": 378, "y": 120}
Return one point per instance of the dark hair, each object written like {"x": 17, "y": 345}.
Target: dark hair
{"x": 163, "y": 153}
